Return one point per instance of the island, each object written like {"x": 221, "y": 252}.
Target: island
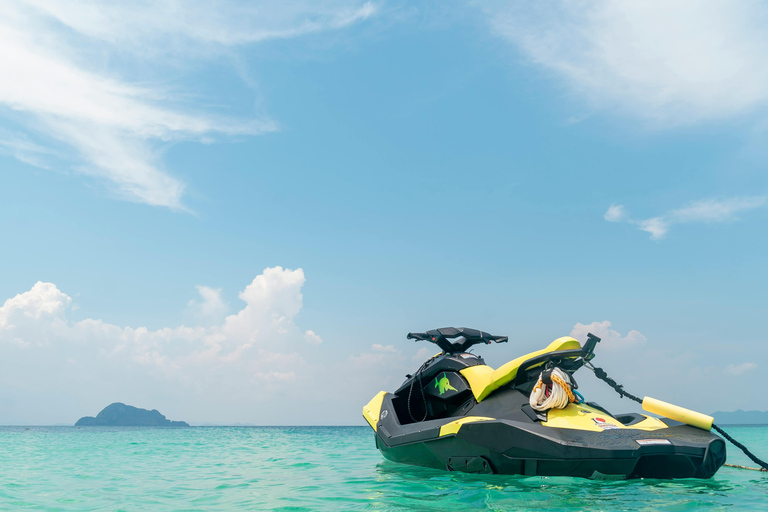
{"x": 121, "y": 415}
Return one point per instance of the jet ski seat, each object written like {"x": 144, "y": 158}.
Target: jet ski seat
{"x": 484, "y": 380}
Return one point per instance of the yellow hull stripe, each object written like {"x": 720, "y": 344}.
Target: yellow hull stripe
{"x": 454, "y": 426}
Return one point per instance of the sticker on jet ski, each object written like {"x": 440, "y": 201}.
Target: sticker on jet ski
{"x": 600, "y": 422}
{"x": 444, "y": 384}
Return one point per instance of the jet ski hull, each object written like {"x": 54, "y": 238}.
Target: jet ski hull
{"x": 523, "y": 446}
{"x": 458, "y": 414}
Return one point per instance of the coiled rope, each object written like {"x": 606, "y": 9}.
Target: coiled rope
{"x": 600, "y": 374}
{"x": 556, "y": 394}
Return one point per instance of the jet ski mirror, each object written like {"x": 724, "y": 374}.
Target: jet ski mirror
{"x": 452, "y": 340}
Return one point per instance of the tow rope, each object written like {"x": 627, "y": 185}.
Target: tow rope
{"x": 600, "y": 374}
{"x": 552, "y": 391}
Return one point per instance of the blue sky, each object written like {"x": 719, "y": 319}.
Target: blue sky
{"x": 534, "y": 172}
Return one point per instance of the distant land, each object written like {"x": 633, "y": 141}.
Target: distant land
{"x": 121, "y": 415}
{"x": 741, "y": 417}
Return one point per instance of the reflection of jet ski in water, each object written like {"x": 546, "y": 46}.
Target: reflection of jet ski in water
{"x": 458, "y": 414}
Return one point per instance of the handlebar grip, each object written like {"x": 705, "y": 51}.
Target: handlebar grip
{"x": 418, "y": 336}
{"x": 501, "y": 339}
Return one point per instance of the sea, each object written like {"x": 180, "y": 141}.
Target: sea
{"x": 314, "y": 469}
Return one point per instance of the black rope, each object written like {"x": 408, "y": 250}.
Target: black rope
{"x": 600, "y": 374}
{"x": 421, "y": 388}
{"x": 742, "y": 447}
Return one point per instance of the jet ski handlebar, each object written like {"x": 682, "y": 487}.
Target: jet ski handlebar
{"x": 443, "y": 338}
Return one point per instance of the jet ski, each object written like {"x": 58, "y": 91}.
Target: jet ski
{"x": 458, "y": 414}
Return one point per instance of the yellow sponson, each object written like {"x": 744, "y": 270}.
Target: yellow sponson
{"x": 372, "y": 410}
{"x": 586, "y": 417}
{"x": 484, "y": 380}
{"x": 454, "y": 426}
{"x": 676, "y": 413}
{"x": 581, "y": 417}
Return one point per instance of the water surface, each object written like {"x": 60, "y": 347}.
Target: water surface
{"x": 313, "y": 469}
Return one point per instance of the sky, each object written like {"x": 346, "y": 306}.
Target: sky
{"x": 234, "y": 212}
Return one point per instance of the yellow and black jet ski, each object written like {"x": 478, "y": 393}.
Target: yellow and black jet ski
{"x": 458, "y": 414}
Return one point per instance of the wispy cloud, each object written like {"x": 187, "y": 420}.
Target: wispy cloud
{"x": 76, "y": 108}
{"x": 615, "y": 213}
{"x": 739, "y": 369}
{"x": 139, "y": 23}
{"x": 668, "y": 61}
{"x": 711, "y": 210}
{"x": 706, "y": 211}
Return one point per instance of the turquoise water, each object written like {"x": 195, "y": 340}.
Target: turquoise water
{"x": 312, "y": 468}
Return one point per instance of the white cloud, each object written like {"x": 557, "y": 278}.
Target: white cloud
{"x": 77, "y": 110}
{"x": 615, "y": 213}
{"x": 609, "y": 338}
{"x": 706, "y": 211}
{"x": 312, "y": 338}
{"x": 423, "y": 354}
{"x": 656, "y": 226}
{"x": 254, "y": 366}
{"x": 212, "y": 305}
{"x": 672, "y": 368}
{"x": 739, "y": 369}
{"x": 716, "y": 211}
{"x": 378, "y": 356}
{"x": 225, "y": 22}
{"x": 381, "y": 348}
{"x": 44, "y": 300}
{"x": 669, "y": 61}
{"x": 216, "y": 367}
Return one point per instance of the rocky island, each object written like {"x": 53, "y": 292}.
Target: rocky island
{"x": 121, "y": 415}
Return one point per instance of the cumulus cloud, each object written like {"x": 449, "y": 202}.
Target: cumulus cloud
{"x": 44, "y": 300}
{"x": 106, "y": 121}
{"x": 705, "y": 211}
{"x": 211, "y": 305}
{"x": 668, "y": 61}
{"x": 211, "y": 366}
{"x": 609, "y": 337}
{"x": 674, "y": 369}
{"x": 253, "y": 366}
{"x": 312, "y": 338}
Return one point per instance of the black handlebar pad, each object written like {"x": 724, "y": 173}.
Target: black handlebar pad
{"x": 441, "y": 337}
